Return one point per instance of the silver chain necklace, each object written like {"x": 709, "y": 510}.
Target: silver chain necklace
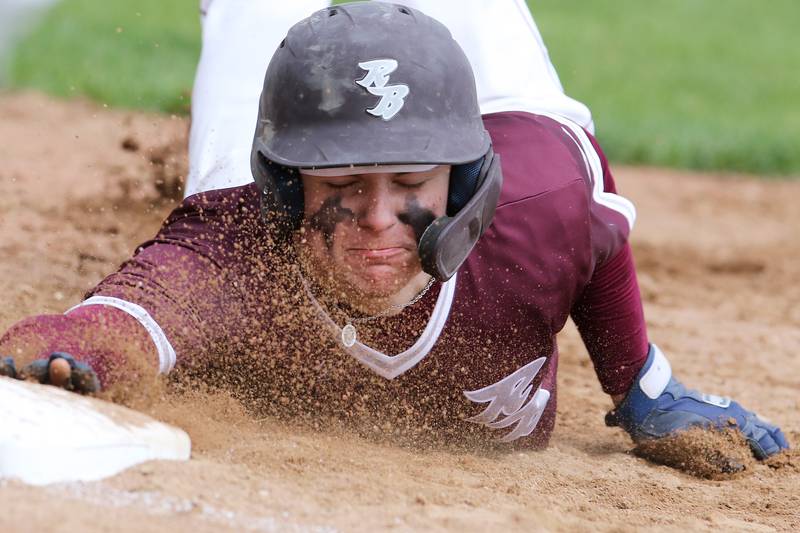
{"x": 349, "y": 334}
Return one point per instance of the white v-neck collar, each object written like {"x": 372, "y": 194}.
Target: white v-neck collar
{"x": 391, "y": 366}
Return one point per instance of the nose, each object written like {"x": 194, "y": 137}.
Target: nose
{"x": 378, "y": 211}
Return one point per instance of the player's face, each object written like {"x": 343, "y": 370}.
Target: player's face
{"x": 361, "y": 231}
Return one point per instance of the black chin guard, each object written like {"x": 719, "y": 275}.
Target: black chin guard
{"x": 447, "y": 242}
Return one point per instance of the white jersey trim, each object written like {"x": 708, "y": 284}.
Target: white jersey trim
{"x": 166, "y": 354}
{"x": 594, "y": 168}
{"x": 391, "y": 366}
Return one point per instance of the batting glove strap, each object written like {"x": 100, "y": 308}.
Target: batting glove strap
{"x": 659, "y": 405}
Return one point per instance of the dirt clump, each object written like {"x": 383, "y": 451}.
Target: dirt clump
{"x": 709, "y": 454}
{"x": 787, "y": 459}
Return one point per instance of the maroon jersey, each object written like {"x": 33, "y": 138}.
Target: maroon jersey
{"x": 474, "y": 360}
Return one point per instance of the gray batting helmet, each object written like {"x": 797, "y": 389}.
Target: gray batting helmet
{"x": 373, "y": 83}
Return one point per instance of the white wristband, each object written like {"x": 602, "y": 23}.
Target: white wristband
{"x": 656, "y": 379}
{"x": 166, "y": 354}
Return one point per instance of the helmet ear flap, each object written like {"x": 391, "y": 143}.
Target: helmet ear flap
{"x": 281, "y": 187}
{"x": 448, "y": 240}
{"x": 464, "y": 181}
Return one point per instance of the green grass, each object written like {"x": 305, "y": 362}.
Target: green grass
{"x": 696, "y": 84}
{"x": 134, "y": 54}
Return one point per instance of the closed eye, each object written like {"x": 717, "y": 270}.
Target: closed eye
{"x": 411, "y": 184}
{"x": 340, "y": 186}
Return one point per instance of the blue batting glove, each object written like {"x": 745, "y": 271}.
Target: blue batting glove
{"x": 658, "y": 405}
{"x": 83, "y": 379}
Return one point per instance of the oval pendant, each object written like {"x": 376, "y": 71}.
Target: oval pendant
{"x": 348, "y": 335}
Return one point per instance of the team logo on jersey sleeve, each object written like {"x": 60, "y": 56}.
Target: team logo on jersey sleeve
{"x": 375, "y": 82}
{"x": 507, "y": 399}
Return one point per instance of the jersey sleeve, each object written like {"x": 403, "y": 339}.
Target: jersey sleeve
{"x": 610, "y": 319}
{"x": 179, "y": 300}
{"x": 181, "y": 286}
{"x": 612, "y": 216}
{"x": 609, "y": 312}
{"x": 171, "y": 302}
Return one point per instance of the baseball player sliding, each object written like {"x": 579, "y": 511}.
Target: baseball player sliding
{"x": 408, "y": 250}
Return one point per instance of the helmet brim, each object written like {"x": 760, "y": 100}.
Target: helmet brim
{"x": 330, "y": 145}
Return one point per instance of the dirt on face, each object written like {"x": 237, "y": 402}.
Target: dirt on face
{"x": 718, "y": 259}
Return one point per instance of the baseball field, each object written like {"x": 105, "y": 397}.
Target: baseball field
{"x": 87, "y": 175}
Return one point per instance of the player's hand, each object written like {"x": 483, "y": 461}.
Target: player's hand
{"x": 60, "y": 370}
{"x": 659, "y": 405}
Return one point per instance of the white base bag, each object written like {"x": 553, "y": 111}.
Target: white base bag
{"x": 49, "y": 435}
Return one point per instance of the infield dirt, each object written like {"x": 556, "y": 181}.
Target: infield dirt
{"x": 719, "y": 263}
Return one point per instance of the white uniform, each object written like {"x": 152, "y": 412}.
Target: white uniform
{"x": 512, "y": 69}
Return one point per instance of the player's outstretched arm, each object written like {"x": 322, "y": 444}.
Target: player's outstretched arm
{"x": 650, "y": 402}
{"x": 168, "y": 299}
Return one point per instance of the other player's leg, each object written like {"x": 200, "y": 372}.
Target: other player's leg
{"x": 513, "y": 71}
{"x": 239, "y": 37}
